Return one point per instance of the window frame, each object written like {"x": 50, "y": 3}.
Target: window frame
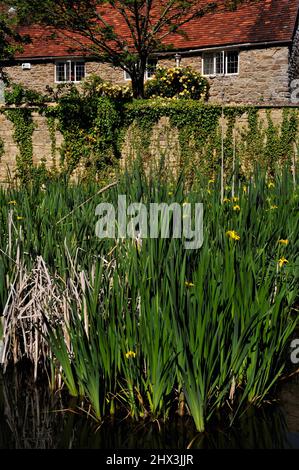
{"x": 224, "y": 53}
{"x": 69, "y": 62}
{"x": 155, "y": 62}
{"x": 127, "y": 77}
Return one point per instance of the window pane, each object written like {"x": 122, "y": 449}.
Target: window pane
{"x": 232, "y": 62}
{"x": 219, "y": 63}
{"x": 127, "y": 76}
{"x": 60, "y": 72}
{"x": 151, "y": 68}
{"x": 80, "y": 71}
{"x": 208, "y": 64}
{"x": 71, "y": 74}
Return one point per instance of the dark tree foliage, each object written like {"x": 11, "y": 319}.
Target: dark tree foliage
{"x": 10, "y": 40}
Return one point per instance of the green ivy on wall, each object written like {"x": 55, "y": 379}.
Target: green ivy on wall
{"x": 95, "y": 127}
{"x": 23, "y": 130}
{"x": 2, "y": 151}
{"x": 267, "y": 144}
{"x": 51, "y": 122}
{"x": 198, "y": 125}
{"x": 90, "y": 127}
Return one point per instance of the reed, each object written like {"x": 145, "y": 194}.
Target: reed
{"x": 153, "y": 330}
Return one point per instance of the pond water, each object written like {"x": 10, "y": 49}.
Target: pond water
{"x": 30, "y": 418}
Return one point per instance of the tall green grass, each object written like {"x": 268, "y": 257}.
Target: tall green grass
{"x": 158, "y": 329}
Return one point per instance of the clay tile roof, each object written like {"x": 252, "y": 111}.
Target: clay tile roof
{"x": 256, "y": 21}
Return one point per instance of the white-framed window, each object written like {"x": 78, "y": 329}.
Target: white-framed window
{"x": 67, "y": 71}
{"x": 151, "y": 67}
{"x": 150, "y": 70}
{"x": 220, "y": 63}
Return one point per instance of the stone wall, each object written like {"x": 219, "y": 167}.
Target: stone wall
{"x": 42, "y": 75}
{"x": 165, "y": 145}
{"x": 42, "y": 146}
{"x": 263, "y": 77}
{"x": 294, "y": 58}
{"x": 294, "y": 70}
{"x": 164, "y": 142}
{"x": 8, "y": 159}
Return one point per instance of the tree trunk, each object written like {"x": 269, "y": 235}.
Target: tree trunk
{"x": 138, "y": 86}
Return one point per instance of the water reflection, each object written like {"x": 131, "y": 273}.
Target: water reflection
{"x": 28, "y": 420}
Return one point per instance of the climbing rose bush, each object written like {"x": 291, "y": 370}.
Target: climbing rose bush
{"x": 96, "y": 86}
{"x": 177, "y": 82}
{"x": 118, "y": 92}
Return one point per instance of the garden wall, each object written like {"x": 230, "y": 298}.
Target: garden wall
{"x": 259, "y": 135}
{"x": 43, "y": 141}
{"x": 42, "y": 145}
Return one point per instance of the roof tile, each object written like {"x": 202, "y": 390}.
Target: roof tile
{"x": 253, "y": 22}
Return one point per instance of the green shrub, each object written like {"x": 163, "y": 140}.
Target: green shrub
{"x": 177, "y": 82}
{"x": 17, "y": 95}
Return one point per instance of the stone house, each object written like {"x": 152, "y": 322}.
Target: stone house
{"x": 249, "y": 55}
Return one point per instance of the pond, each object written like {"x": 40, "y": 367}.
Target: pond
{"x": 32, "y": 418}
